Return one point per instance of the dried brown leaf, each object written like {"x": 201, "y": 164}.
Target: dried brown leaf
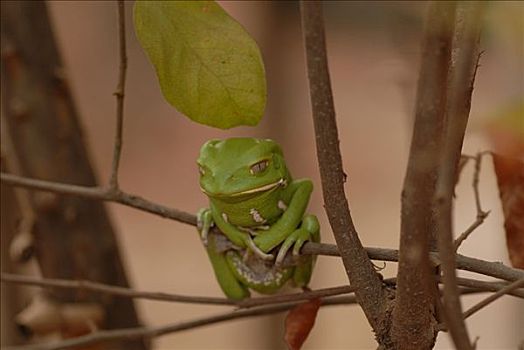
{"x": 510, "y": 179}
{"x": 299, "y": 322}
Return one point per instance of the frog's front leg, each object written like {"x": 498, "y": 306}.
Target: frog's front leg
{"x": 240, "y": 238}
{"x": 297, "y": 194}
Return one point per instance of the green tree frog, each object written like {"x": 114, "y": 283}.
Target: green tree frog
{"x": 260, "y": 210}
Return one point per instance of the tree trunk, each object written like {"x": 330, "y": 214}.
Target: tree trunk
{"x": 74, "y": 238}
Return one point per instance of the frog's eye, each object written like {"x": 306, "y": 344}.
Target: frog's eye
{"x": 259, "y": 167}
{"x": 201, "y": 170}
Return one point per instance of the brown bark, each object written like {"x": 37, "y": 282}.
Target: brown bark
{"x": 10, "y": 215}
{"x": 369, "y": 290}
{"x": 414, "y": 317}
{"x": 460, "y": 89}
{"x": 74, "y": 238}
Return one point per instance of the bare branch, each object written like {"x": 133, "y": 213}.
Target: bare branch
{"x": 488, "y": 286}
{"x": 460, "y": 88}
{"x": 102, "y": 194}
{"x": 416, "y": 293}
{"x": 466, "y": 263}
{"x": 464, "y": 235}
{"x": 476, "y": 179}
{"x": 286, "y": 298}
{"x": 481, "y": 215}
{"x": 488, "y": 268}
{"x": 493, "y": 269}
{"x": 151, "y": 332}
{"x": 360, "y": 271}
{"x": 473, "y": 284}
{"x": 109, "y": 289}
{"x": 159, "y": 296}
{"x": 55, "y": 187}
{"x": 119, "y": 93}
{"x": 508, "y": 289}
{"x": 483, "y": 303}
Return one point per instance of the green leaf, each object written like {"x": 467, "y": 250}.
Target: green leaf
{"x": 209, "y": 68}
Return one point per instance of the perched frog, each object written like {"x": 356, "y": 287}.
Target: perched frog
{"x": 261, "y": 211}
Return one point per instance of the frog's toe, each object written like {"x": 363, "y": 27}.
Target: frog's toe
{"x": 204, "y": 233}
{"x": 296, "y": 239}
{"x": 299, "y": 243}
{"x": 283, "y": 250}
{"x": 257, "y": 251}
{"x": 204, "y": 223}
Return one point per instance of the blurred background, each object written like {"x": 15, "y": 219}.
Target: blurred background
{"x": 373, "y": 52}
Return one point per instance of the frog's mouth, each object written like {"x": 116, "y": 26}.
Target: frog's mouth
{"x": 249, "y": 192}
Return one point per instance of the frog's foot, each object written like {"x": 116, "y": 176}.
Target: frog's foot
{"x": 256, "y": 274}
{"x": 204, "y": 223}
{"x": 297, "y": 240}
{"x": 252, "y": 232}
{"x": 256, "y": 250}
{"x": 309, "y": 231}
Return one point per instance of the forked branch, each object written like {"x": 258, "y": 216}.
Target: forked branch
{"x": 481, "y": 214}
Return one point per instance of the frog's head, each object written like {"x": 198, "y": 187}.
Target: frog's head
{"x": 237, "y": 168}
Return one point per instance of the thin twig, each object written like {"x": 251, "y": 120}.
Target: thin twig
{"x": 476, "y": 179}
{"x": 464, "y": 235}
{"x": 483, "y": 303}
{"x": 151, "y": 332}
{"x": 55, "y": 187}
{"x": 488, "y": 286}
{"x": 159, "y": 296}
{"x": 109, "y": 289}
{"x": 368, "y": 287}
{"x": 247, "y": 303}
{"x": 100, "y": 193}
{"x": 508, "y": 289}
{"x": 488, "y": 268}
{"x": 481, "y": 215}
{"x": 119, "y": 93}
{"x": 286, "y": 298}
